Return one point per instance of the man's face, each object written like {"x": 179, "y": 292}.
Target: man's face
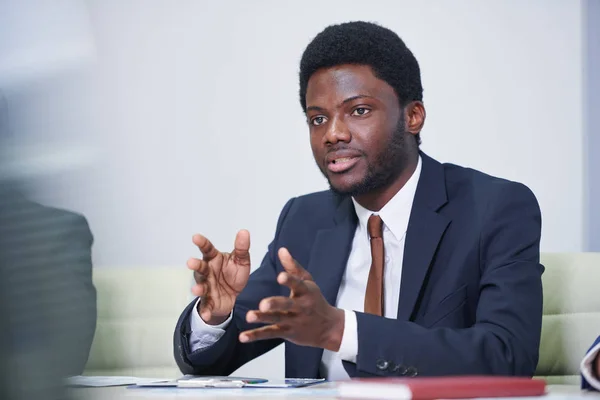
{"x": 357, "y": 129}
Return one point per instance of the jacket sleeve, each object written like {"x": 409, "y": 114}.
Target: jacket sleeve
{"x": 590, "y": 376}
{"x": 504, "y": 340}
{"x": 228, "y": 354}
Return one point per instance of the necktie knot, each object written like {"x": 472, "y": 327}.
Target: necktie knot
{"x": 375, "y": 226}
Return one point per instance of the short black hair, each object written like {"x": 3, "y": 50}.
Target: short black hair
{"x": 364, "y": 43}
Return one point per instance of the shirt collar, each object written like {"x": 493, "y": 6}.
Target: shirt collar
{"x": 396, "y": 213}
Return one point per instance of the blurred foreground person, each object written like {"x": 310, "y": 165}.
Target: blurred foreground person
{"x": 48, "y": 302}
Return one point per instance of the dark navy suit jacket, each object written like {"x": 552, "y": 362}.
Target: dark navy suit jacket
{"x": 46, "y": 284}
{"x": 471, "y": 291}
{"x": 585, "y": 384}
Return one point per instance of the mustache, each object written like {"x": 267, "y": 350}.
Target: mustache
{"x": 344, "y": 147}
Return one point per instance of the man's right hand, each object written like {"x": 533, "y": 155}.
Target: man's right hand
{"x": 220, "y": 277}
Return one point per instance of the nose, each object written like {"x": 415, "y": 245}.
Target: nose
{"x": 337, "y": 131}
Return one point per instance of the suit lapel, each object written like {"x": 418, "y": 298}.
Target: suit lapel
{"x": 327, "y": 265}
{"x": 331, "y": 250}
{"x": 425, "y": 230}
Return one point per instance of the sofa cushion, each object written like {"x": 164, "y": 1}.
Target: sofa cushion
{"x": 571, "y": 320}
{"x": 137, "y": 312}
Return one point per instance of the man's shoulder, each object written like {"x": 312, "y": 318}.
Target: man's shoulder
{"x": 465, "y": 181}
{"x": 313, "y": 209}
{"x": 50, "y": 222}
{"x": 58, "y": 217}
{"x": 37, "y": 236}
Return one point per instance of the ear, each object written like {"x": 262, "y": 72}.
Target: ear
{"x": 415, "y": 117}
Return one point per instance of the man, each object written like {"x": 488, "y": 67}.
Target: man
{"x": 46, "y": 254}
{"x": 590, "y": 368}
{"x": 404, "y": 267}
{"x": 46, "y": 268}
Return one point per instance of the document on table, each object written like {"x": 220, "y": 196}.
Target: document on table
{"x": 106, "y": 381}
{"x": 229, "y": 382}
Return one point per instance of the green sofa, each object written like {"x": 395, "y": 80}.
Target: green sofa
{"x": 138, "y": 308}
{"x": 137, "y": 311}
{"x": 571, "y": 319}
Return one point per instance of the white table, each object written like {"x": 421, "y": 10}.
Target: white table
{"x": 325, "y": 391}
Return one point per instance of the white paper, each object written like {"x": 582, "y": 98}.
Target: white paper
{"x": 105, "y": 381}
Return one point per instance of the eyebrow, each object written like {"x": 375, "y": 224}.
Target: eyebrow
{"x": 349, "y": 99}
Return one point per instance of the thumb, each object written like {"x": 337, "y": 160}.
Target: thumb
{"x": 292, "y": 266}
{"x": 241, "y": 247}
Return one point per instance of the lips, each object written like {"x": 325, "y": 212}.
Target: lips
{"x": 341, "y": 161}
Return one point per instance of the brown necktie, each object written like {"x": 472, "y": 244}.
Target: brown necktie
{"x": 374, "y": 294}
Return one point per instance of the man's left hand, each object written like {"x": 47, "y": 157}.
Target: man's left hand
{"x": 304, "y": 318}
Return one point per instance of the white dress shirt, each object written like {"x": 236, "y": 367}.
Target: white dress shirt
{"x": 351, "y": 296}
{"x": 586, "y": 367}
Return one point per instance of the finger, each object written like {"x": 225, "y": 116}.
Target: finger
{"x": 241, "y": 247}
{"x": 195, "y": 264}
{"x": 277, "y": 303}
{"x": 296, "y": 285}
{"x": 206, "y": 247}
{"x": 200, "y": 289}
{"x": 291, "y": 265}
{"x": 270, "y": 317}
{"x": 201, "y": 269}
{"x": 265, "y": 332}
{"x": 200, "y": 278}
{"x": 201, "y": 272}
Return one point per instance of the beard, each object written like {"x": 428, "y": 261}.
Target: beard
{"x": 387, "y": 166}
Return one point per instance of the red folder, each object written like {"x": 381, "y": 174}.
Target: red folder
{"x": 450, "y": 387}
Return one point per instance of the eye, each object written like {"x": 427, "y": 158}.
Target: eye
{"x": 360, "y": 111}
{"x": 319, "y": 120}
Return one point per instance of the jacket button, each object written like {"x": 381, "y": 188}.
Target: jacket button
{"x": 411, "y": 371}
{"x": 400, "y": 369}
{"x": 382, "y": 365}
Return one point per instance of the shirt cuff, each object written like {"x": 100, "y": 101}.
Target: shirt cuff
{"x": 349, "y": 346}
{"x": 203, "y": 335}
{"x": 586, "y": 367}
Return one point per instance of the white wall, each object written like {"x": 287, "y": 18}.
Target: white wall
{"x": 196, "y": 118}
